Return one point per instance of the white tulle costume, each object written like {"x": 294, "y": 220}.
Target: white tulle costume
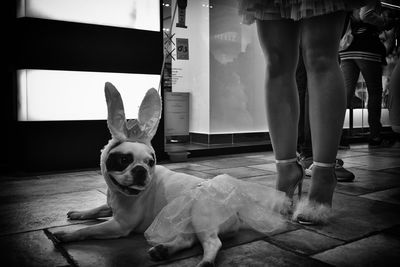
{"x": 255, "y": 206}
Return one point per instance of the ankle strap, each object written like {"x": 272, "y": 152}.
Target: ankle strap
{"x": 324, "y": 165}
{"x": 283, "y": 161}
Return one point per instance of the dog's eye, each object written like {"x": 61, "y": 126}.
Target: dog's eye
{"x": 118, "y": 161}
{"x": 151, "y": 163}
{"x": 124, "y": 160}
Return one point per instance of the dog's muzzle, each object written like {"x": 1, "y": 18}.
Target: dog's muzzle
{"x": 139, "y": 177}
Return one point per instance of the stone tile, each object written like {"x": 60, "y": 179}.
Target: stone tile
{"x": 128, "y": 251}
{"x": 253, "y": 155}
{"x": 377, "y": 250}
{"x": 356, "y": 217}
{"x": 70, "y": 174}
{"x": 46, "y": 211}
{"x": 390, "y": 195}
{"x": 246, "y": 236}
{"x": 386, "y": 152}
{"x": 360, "y": 185}
{"x": 266, "y": 156}
{"x": 17, "y": 190}
{"x": 268, "y": 180}
{"x": 224, "y": 163}
{"x": 271, "y": 167}
{"x": 393, "y": 171}
{"x": 118, "y": 252}
{"x": 305, "y": 242}
{"x": 196, "y": 173}
{"x": 187, "y": 166}
{"x": 259, "y": 253}
{"x": 30, "y": 249}
{"x": 343, "y": 154}
{"x": 367, "y": 181}
{"x": 351, "y": 189}
{"x": 187, "y": 262}
{"x": 394, "y": 231}
{"x": 239, "y": 172}
{"x": 370, "y": 162}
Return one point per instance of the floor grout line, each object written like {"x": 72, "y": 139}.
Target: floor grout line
{"x": 60, "y": 248}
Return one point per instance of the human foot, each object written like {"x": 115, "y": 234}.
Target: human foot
{"x": 290, "y": 176}
{"x": 316, "y": 208}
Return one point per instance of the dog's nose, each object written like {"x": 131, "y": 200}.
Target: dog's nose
{"x": 139, "y": 175}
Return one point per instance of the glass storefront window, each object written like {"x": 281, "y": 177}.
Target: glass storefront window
{"x": 224, "y": 73}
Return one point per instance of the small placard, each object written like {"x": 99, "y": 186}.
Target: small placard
{"x": 182, "y": 48}
{"x": 176, "y": 112}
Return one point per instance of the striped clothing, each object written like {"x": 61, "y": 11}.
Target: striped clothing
{"x": 345, "y": 55}
{"x": 366, "y": 44}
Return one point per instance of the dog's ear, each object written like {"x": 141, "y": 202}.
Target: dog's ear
{"x": 116, "y": 116}
{"x": 150, "y": 113}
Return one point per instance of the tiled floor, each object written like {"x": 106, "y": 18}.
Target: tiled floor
{"x": 364, "y": 232}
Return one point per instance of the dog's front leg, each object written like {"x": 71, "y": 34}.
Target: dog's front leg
{"x": 105, "y": 230}
{"x": 99, "y": 212}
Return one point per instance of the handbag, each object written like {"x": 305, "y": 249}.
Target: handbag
{"x": 347, "y": 39}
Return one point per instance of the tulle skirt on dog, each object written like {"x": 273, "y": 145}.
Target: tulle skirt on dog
{"x": 216, "y": 202}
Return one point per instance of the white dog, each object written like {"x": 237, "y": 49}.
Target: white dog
{"x": 173, "y": 210}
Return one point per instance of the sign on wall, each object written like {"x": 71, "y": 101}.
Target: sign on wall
{"x": 176, "y": 112}
{"x": 182, "y": 48}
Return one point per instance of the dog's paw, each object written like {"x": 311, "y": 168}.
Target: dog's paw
{"x": 159, "y": 252}
{"x": 76, "y": 215}
{"x": 62, "y": 236}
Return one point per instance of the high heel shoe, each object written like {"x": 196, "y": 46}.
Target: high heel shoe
{"x": 317, "y": 207}
{"x": 290, "y": 186}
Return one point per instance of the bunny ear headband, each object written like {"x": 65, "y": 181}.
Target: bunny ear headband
{"x": 141, "y": 129}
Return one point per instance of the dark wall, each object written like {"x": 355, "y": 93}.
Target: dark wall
{"x": 58, "y": 45}
{"x": 7, "y": 98}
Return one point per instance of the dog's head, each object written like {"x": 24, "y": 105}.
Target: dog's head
{"x": 128, "y": 161}
{"x": 128, "y": 167}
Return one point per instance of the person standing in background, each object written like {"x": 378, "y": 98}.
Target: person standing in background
{"x": 392, "y": 44}
{"x": 366, "y": 54}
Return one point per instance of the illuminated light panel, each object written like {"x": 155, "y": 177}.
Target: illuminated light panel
{"x": 136, "y": 14}
{"x": 49, "y": 95}
{"x": 360, "y": 118}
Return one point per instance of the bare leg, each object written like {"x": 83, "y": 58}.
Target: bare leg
{"x": 279, "y": 40}
{"x": 99, "y": 212}
{"x": 320, "y": 42}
